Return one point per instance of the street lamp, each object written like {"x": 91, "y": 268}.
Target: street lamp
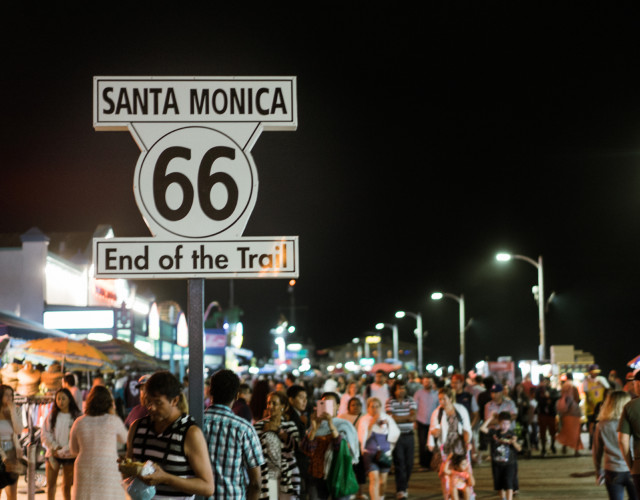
{"x": 282, "y": 357}
{"x": 375, "y": 339}
{"x": 356, "y": 341}
{"x": 280, "y": 332}
{"x": 394, "y": 329}
{"x": 460, "y": 300}
{"x": 504, "y": 257}
{"x": 418, "y": 333}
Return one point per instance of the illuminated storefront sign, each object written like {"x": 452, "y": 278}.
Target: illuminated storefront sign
{"x": 98, "y": 319}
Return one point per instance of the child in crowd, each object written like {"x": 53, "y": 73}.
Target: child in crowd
{"x": 461, "y": 479}
{"x": 504, "y": 452}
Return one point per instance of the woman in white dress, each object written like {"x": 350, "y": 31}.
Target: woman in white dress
{"x": 94, "y": 439}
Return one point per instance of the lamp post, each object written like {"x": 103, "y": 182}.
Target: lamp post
{"x": 460, "y": 300}
{"x": 504, "y": 257}
{"x": 394, "y": 329}
{"x": 418, "y": 333}
{"x": 279, "y": 332}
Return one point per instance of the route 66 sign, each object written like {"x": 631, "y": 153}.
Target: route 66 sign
{"x": 195, "y": 182}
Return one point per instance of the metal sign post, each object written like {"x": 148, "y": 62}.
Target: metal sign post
{"x": 195, "y": 184}
{"x": 195, "y": 320}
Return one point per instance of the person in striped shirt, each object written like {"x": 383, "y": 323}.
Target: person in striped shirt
{"x": 235, "y": 451}
{"x": 172, "y": 440}
{"x": 402, "y": 409}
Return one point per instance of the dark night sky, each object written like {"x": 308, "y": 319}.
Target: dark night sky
{"x": 428, "y": 140}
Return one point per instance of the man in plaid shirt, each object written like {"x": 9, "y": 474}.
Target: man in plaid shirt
{"x": 234, "y": 446}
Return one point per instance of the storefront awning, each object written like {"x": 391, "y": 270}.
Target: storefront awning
{"x": 17, "y": 327}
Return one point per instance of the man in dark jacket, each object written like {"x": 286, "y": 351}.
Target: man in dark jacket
{"x": 241, "y": 405}
{"x": 298, "y": 413}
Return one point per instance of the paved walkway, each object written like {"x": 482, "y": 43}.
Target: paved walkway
{"x": 556, "y": 477}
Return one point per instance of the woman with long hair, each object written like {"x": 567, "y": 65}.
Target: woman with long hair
{"x": 55, "y": 438}
{"x": 279, "y": 438}
{"x": 615, "y": 472}
{"x": 94, "y": 440}
{"x": 258, "y": 403}
{"x": 10, "y": 428}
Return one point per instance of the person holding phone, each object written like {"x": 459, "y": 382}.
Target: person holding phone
{"x": 326, "y": 433}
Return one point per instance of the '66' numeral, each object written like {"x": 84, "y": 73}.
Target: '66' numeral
{"x": 206, "y": 182}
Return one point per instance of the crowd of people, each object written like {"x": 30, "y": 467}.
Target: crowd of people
{"x": 329, "y": 437}
{"x": 457, "y": 423}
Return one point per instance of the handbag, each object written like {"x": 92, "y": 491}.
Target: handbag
{"x": 7, "y": 478}
{"x": 382, "y": 459}
{"x": 10, "y": 470}
{"x": 134, "y": 486}
{"x": 436, "y": 457}
{"x": 15, "y": 466}
{"x": 137, "y": 489}
{"x": 342, "y": 478}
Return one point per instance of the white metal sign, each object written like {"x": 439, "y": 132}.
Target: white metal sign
{"x": 149, "y": 258}
{"x": 120, "y": 101}
{"x": 195, "y": 181}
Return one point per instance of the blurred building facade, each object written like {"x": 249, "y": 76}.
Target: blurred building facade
{"x": 47, "y": 283}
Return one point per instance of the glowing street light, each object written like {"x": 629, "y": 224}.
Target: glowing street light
{"x": 394, "y": 329}
{"x": 373, "y": 340}
{"x": 418, "y": 333}
{"x": 460, "y": 300}
{"x": 505, "y": 257}
{"x": 282, "y": 357}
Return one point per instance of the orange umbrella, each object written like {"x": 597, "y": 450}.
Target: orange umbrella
{"x": 72, "y": 354}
